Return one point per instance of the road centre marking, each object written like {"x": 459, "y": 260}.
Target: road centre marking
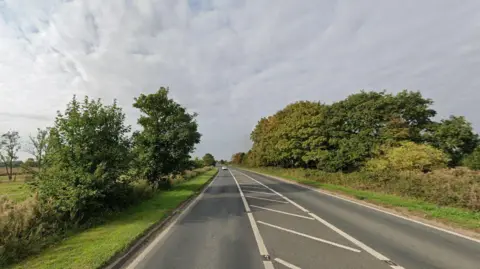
{"x": 262, "y": 192}
{"x": 256, "y": 232}
{"x": 283, "y": 212}
{"x": 286, "y": 264}
{"x": 310, "y": 237}
{"x": 266, "y": 199}
{"x": 361, "y": 245}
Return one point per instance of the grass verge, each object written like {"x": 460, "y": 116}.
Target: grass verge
{"x": 451, "y": 216}
{"x": 94, "y": 247}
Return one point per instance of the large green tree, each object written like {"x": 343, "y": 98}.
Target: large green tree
{"x": 168, "y": 136}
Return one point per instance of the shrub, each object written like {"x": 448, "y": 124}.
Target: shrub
{"x": 409, "y": 156}
{"x": 473, "y": 160}
{"x": 88, "y": 151}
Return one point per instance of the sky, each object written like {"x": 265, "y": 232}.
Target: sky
{"x": 233, "y": 61}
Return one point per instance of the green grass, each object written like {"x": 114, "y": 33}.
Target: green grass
{"x": 453, "y": 216}
{"x": 17, "y": 191}
{"x": 94, "y": 247}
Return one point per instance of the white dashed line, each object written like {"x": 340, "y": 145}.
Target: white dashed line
{"x": 361, "y": 245}
{"x": 256, "y": 232}
{"x": 282, "y": 212}
{"x": 287, "y": 264}
{"x": 309, "y": 236}
{"x": 266, "y": 199}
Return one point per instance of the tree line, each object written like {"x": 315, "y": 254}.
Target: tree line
{"x": 346, "y": 135}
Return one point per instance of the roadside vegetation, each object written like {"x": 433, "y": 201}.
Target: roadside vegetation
{"x": 94, "y": 247}
{"x": 87, "y": 167}
{"x": 375, "y": 143}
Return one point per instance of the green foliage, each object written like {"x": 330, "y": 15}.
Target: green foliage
{"x": 455, "y": 136}
{"x": 208, "y": 160}
{"x": 408, "y": 156}
{"x": 472, "y": 161}
{"x": 88, "y": 151}
{"x": 169, "y": 134}
{"x": 341, "y": 136}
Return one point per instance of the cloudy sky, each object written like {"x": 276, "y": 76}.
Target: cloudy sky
{"x": 233, "y": 61}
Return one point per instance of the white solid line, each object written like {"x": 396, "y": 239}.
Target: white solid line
{"x": 256, "y": 232}
{"x": 282, "y": 212}
{"x": 262, "y": 192}
{"x": 148, "y": 249}
{"x": 375, "y": 208}
{"x": 266, "y": 199}
{"x": 309, "y": 236}
{"x": 286, "y": 264}
{"x": 368, "y": 249}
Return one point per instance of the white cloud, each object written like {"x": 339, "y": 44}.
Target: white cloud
{"x": 233, "y": 61}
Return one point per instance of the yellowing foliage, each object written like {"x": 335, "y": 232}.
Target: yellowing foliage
{"x": 409, "y": 156}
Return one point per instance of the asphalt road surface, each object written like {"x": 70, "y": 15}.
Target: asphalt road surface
{"x": 245, "y": 220}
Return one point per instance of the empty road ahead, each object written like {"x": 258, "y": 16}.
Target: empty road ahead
{"x": 244, "y": 220}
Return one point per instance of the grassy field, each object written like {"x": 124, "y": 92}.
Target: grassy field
{"x": 17, "y": 191}
{"x": 456, "y": 217}
{"x": 94, "y": 247}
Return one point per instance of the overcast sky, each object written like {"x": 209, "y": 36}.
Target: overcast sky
{"x": 233, "y": 61}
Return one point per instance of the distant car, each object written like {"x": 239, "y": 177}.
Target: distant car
{"x": 224, "y": 168}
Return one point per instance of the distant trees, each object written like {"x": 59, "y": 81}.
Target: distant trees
{"x": 9, "y": 147}
{"x": 39, "y": 144}
{"x": 343, "y": 136}
{"x": 238, "y": 158}
{"x": 208, "y": 160}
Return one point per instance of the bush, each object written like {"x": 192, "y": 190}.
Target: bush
{"x": 473, "y": 160}
{"x": 88, "y": 152}
{"x": 408, "y": 156}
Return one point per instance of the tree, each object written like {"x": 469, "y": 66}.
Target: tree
{"x": 87, "y": 153}
{"x": 208, "y": 160}
{"x": 39, "y": 144}
{"x": 9, "y": 147}
{"x": 455, "y": 136}
{"x": 168, "y": 136}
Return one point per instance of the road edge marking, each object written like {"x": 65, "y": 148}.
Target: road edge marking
{"x": 256, "y": 232}
{"x": 310, "y": 237}
{"x": 286, "y": 264}
{"x": 361, "y": 245}
{"x": 283, "y": 212}
{"x": 141, "y": 256}
{"x": 371, "y": 207}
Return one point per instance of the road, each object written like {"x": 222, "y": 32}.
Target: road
{"x": 245, "y": 220}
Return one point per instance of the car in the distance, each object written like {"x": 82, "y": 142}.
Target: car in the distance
{"x": 224, "y": 168}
